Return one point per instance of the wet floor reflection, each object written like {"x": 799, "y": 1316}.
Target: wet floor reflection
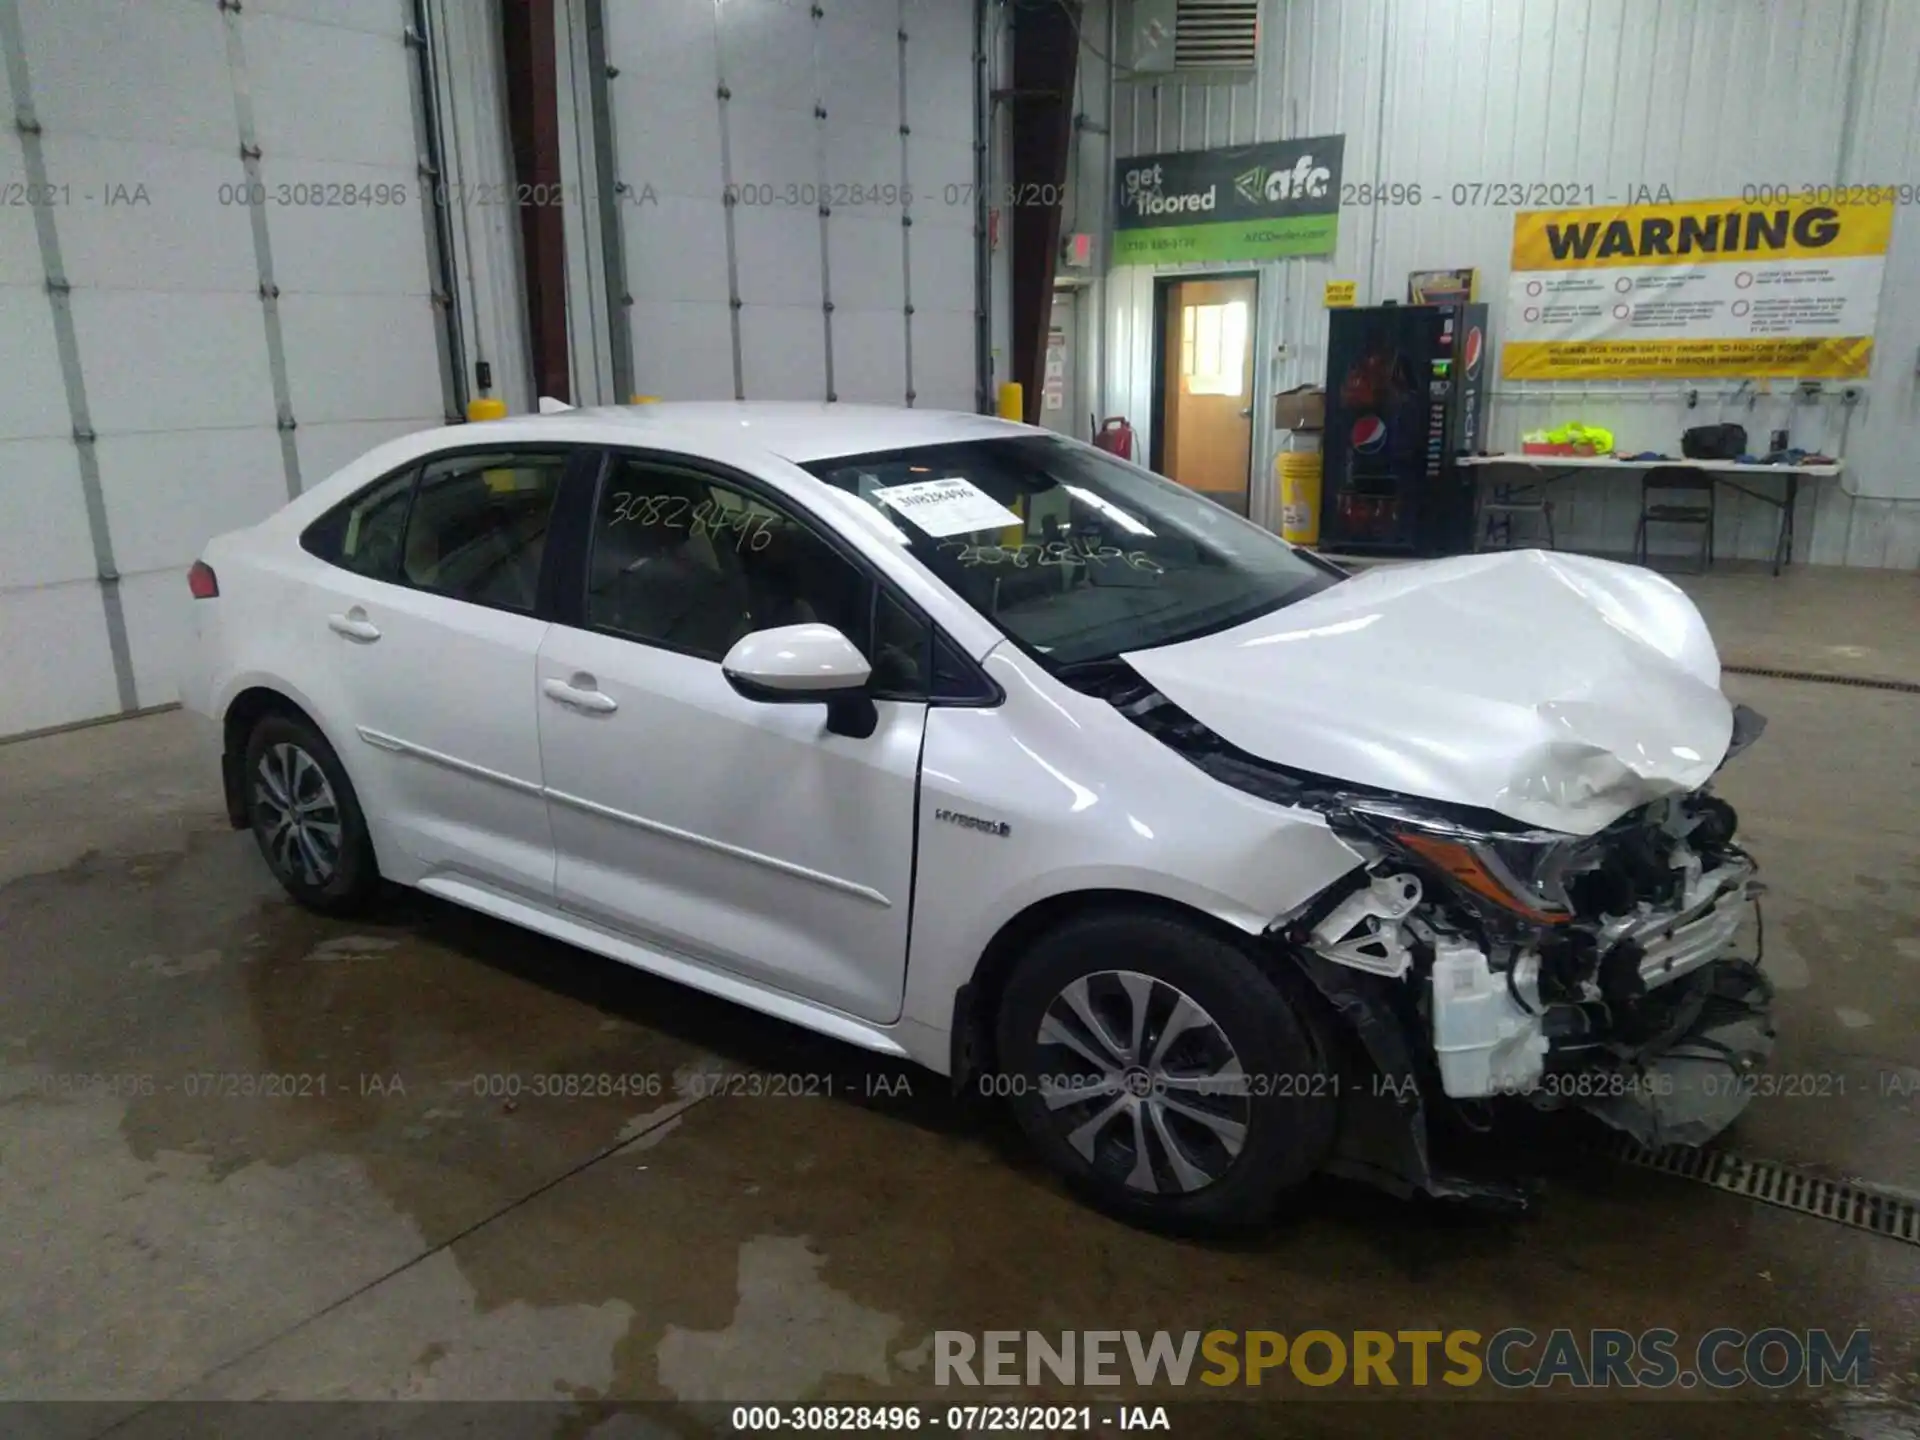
{"x": 316, "y": 1162}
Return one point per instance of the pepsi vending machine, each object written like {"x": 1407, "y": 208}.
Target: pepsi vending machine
{"x": 1406, "y": 395}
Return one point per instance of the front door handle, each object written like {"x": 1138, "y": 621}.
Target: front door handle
{"x": 582, "y": 694}
{"x": 354, "y": 625}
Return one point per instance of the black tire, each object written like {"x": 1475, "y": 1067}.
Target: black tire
{"x": 1287, "y": 1107}
{"x": 348, "y": 877}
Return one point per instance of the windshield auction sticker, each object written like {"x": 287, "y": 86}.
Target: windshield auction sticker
{"x": 954, "y": 506}
{"x": 1768, "y": 289}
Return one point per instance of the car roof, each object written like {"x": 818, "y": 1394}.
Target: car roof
{"x": 794, "y": 432}
{"x": 797, "y": 431}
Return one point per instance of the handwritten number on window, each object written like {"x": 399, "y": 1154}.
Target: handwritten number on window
{"x": 752, "y": 531}
{"x": 1064, "y": 554}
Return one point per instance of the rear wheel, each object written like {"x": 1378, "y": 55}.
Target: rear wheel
{"x": 1165, "y": 1073}
{"x": 306, "y": 818}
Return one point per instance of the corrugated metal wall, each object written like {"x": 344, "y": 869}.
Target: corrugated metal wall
{"x": 795, "y": 198}
{"x": 1701, "y": 96}
{"x": 214, "y": 290}
{"x": 483, "y": 200}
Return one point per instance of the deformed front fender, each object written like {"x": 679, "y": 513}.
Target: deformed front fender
{"x": 1385, "y": 1136}
{"x": 1056, "y": 795}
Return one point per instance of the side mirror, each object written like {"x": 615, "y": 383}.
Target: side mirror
{"x": 805, "y": 664}
{"x": 795, "y": 664}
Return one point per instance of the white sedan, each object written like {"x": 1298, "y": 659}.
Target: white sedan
{"x": 967, "y": 743}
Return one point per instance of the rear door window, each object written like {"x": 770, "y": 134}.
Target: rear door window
{"x": 477, "y": 529}
{"x": 364, "y": 534}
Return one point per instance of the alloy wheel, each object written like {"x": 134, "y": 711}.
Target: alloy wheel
{"x": 296, "y": 814}
{"x": 1143, "y": 1082}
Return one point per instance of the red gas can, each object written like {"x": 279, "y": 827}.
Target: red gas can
{"x": 1115, "y": 437}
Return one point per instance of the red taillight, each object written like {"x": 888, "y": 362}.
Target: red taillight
{"x": 202, "y": 581}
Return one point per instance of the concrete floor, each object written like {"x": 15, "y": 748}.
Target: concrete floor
{"x": 406, "y": 1235}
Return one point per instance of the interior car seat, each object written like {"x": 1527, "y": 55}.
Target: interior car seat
{"x": 663, "y": 581}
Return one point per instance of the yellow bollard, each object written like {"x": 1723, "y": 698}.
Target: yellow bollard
{"x": 486, "y": 407}
{"x": 646, "y": 400}
{"x": 1014, "y": 536}
{"x": 1300, "y": 474}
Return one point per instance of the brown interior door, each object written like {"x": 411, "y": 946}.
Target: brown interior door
{"x": 1206, "y": 408}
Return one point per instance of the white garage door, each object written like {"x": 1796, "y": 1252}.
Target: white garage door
{"x": 157, "y": 389}
{"x": 796, "y": 198}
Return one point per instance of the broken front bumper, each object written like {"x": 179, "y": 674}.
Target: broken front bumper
{"x": 1672, "y": 1060}
{"x": 1525, "y": 1025}
{"x": 1694, "y": 1086}
{"x": 1677, "y": 943}
{"x": 1705, "y": 1027}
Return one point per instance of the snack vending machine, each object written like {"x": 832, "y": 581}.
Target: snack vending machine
{"x": 1406, "y": 396}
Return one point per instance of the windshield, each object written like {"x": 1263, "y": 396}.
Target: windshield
{"x": 1076, "y": 555}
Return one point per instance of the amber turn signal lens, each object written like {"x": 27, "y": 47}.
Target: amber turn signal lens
{"x": 1470, "y": 870}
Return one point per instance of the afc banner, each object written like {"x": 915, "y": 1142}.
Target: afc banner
{"x": 1253, "y": 202}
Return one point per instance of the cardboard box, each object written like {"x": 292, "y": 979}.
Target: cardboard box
{"x": 1443, "y": 287}
{"x": 1303, "y": 408}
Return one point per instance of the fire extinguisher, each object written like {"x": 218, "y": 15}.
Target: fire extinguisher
{"x": 1115, "y": 436}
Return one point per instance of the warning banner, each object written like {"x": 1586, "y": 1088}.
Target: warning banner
{"x": 1844, "y": 359}
{"x": 1706, "y": 288}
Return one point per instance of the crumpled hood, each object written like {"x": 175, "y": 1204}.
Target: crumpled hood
{"x": 1557, "y": 689}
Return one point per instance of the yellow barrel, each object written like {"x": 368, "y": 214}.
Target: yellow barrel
{"x": 1299, "y": 472}
{"x": 1013, "y": 401}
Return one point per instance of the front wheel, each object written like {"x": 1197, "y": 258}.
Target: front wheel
{"x": 1164, "y": 1073}
{"x": 306, "y": 818}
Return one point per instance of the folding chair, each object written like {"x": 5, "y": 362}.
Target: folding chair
{"x": 1507, "y": 502}
{"x": 1680, "y": 480}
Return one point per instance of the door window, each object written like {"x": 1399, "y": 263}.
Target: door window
{"x": 478, "y": 527}
{"x": 901, "y": 653}
{"x": 1213, "y": 348}
{"x": 686, "y": 561}
{"x": 363, "y": 534}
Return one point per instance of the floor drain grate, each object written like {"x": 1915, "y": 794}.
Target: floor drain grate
{"x": 1844, "y": 1202}
{"x": 1858, "y": 682}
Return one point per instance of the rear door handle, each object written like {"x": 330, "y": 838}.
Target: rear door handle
{"x": 354, "y": 625}
{"x": 580, "y": 695}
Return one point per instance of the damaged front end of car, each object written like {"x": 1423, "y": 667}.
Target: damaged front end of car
{"x": 1481, "y": 964}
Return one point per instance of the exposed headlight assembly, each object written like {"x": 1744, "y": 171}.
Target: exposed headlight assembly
{"x": 1512, "y": 875}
